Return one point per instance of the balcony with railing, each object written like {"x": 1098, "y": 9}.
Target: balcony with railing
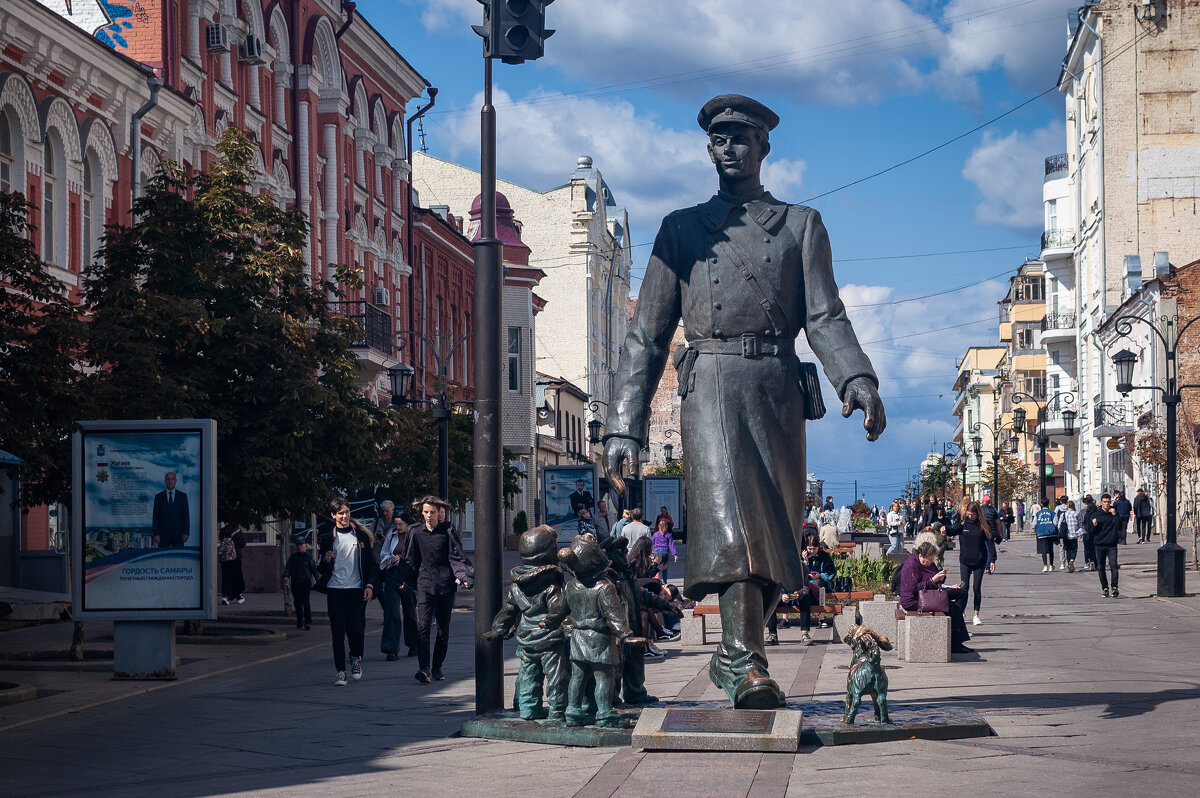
{"x": 1058, "y": 326}
{"x": 374, "y": 342}
{"x": 1058, "y": 239}
{"x": 1057, "y": 166}
{"x": 1112, "y": 418}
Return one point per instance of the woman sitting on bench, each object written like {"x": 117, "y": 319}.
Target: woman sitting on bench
{"x": 920, "y": 572}
{"x": 818, "y": 566}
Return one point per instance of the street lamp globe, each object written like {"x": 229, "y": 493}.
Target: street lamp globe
{"x": 1124, "y": 362}
{"x": 1013, "y": 443}
{"x": 977, "y": 442}
{"x": 978, "y": 459}
{"x": 1019, "y": 418}
{"x": 594, "y": 430}
{"x": 400, "y": 376}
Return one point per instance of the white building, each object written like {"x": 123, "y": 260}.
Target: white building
{"x": 579, "y": 237}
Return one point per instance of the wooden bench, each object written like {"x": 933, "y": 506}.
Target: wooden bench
{"x": 694, "y": 628}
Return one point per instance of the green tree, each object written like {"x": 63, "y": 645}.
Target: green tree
{"x": 40, "y": 334}
{"x": 1016, "y": 478}
{"x": 671, "y": 469}
{"x": 204, "y": 308}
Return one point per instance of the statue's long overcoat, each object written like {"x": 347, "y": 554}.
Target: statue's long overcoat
{"x": 742, "y": 417}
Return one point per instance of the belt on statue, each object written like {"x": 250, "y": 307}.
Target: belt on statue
{"x": 748, "y": 345}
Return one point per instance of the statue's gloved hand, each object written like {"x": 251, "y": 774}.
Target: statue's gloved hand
{"x": 861, "y": 393}
{"x": 616, "y": 452}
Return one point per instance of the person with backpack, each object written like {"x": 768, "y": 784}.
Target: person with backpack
{"x": 230, "y": 542}
{"x": 1047, "y": 535}
{"x": 300, "y": 573}
{"x": 435, "y": 553}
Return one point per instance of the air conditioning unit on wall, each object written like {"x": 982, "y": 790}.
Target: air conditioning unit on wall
{"x": 251, "y": 51}
{"x": 217, "y": 38}
{"x": 383, "y": 297}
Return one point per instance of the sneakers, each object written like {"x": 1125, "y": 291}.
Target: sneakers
{"x": 438, "y": 676}
{"x": 806, "y": 639}
{"x": 1070, "y": 566}
{"x": 1045, "y": 568}
{"x": 1115, "y": 592}
{"x": 772, "y": 639}
{"x": 667, "y": 637}
{"x": 1104, "y": 593}
{"x": 976, "y": 622}
{"x": 422, "y": 677}
{"x": 784, "y": 622}
{"x": 356, "y": 668}
{"x": 241, "y": 599}
{"x": 224, "y": 600}
{"x": 1062, "y": 567}
{"x": 340, "y": 681}
{"x": 392, "y": 656}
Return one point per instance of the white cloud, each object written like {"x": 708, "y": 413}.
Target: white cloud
{"x": 1008, "y": 171}
{"x": 651, "y": 169}
{"x": 849, "y": 53}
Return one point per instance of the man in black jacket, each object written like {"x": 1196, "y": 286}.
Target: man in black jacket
{"x": 1143, "y": 511}
{"x": 1124, "y": 509}
{"x": 435, "y": 553}
{"x": 1106, "y": 531}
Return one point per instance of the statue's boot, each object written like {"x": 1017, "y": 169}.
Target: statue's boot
{"x": 758, "y": 691}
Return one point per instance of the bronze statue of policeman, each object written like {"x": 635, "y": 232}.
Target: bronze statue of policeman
{"x": 746, "y": 273}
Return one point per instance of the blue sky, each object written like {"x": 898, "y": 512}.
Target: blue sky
{"x": 861, "y": 86}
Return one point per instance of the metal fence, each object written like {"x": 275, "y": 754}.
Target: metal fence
{"x": 1058, "y": 239}
{"x": 374, "y": 324}
{"x": 1056, "y": 164}
{"x": 1058, "y": 321}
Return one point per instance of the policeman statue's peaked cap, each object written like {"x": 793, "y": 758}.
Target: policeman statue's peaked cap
{"x": 738, "y": 109}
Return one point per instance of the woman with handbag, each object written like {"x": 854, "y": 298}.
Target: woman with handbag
{"x": 976, "y": 551}
{"x": 923, "y": 589}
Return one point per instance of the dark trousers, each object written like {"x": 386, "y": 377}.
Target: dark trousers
{"x": 1109, "y": 554}
{"x": 1070, "y": 549}
{"x": 431, "y": 607}
{"x": 300, "y": 600}
{"x": 1145, "y": 527}
{"x": 972, "y": 577}
{"x": 232, "y": 583}
{"x": 347, "y": 619}
{"x": 1123, "y": 532}
{"x": 399, "y": 616}
{"x": 802, "y": 605}
{"x": 958, "y": 627}
{"x": 1089, "y": 549}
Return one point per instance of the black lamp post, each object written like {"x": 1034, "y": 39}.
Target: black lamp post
{"x": 400, "y": 376}
{"x": 1170, "y": 554}
{"x": 1040, "y": 435}
{"x": 669, "y": 448}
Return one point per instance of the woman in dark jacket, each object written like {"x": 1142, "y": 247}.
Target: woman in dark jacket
{"x": 920, "y": 572}
{"x": 976, "y": 550}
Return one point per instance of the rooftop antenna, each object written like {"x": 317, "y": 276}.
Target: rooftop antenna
{"x": 421, "y": 133}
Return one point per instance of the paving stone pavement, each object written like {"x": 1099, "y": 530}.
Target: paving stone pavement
{"x": 1088, "y": 696}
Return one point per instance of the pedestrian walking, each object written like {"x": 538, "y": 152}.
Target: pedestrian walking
{"x": 397, "y": 593}
{"x": 348, "y": 578}
{"x": 662, "y": 545}
{"x": 1124, "y": 510}
{"x": 1060, "y": 523}
{"x": 635, "y": 528}
{"x": 1007, "y": 517}
{"x": 1089, "y": 546}
{"x": 435, "y": 552}
{"x": 976, "y": 551}
{"x": 622, "y": 522}
{"x": 300, "y": 573}
{"x": 1143, "y": 513}
{"x": 894, "y": 528}
{"x": 230, "y": 543}
{"x": 1020, "y": 515}
{"x": 1074, "y": 531}
{"x": 1047, "y": 534}
{"x": 1106, "y": 533}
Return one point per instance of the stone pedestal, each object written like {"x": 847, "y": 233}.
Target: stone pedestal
{"x": 691, "y": 630}
{"x": 880, "y": 616}
{"x": 926, "y": 638}
{"x": 842, "y": 623}
{"x": 144, "y": 650}
{"x": 708, "y": 728}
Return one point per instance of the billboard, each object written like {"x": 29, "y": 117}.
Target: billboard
{"x": 144, "y": 520}
{"x": 665, "y": 492}
{"x": 564, "y": 490}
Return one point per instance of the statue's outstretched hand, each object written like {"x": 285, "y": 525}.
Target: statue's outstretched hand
{"x": 616, "y": 452}
{"x": 862, "y": 393}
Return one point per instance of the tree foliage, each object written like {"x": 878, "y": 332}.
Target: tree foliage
{"x": 1016, "y": 478}
{"x": 671, "y": 469}
{"x": 204, "y": 308}
{"x": 40, "y": 334}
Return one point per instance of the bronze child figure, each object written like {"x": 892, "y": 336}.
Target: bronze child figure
{"x": 534, "y": 611}
{"x": 867, "y": 676}
{"x": 598, "y": 627}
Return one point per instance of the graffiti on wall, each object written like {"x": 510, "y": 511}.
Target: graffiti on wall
{"x": 132, "y": 27}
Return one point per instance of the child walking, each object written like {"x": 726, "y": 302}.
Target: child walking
{"x": 301, "y": 573}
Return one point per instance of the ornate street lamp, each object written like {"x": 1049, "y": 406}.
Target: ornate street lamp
{"x": 669, "y": 451}
{"x": 594, "y": 430}
{"x": 400, "y": 377}
{"x": 1040, "y": 435}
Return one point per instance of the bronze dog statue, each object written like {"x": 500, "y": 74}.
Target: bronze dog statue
{"x": 867, "y": 676}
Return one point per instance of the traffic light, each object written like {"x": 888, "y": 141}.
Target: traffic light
{"x": 514, "y": 30}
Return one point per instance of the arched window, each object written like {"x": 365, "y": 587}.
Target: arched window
{"x": 91, "y": 208}
{"x": 49, "y": 203}
{"x": 6, "y": 154}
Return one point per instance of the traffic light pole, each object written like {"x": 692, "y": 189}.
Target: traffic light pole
{"x": 489, "y": 464}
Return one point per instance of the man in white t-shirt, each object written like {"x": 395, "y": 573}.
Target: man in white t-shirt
{"x": 635, "y": 529}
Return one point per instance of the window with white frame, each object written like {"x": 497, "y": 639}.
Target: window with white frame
{"x": 91, "y": 207}
{"x": 514, "y": 359}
